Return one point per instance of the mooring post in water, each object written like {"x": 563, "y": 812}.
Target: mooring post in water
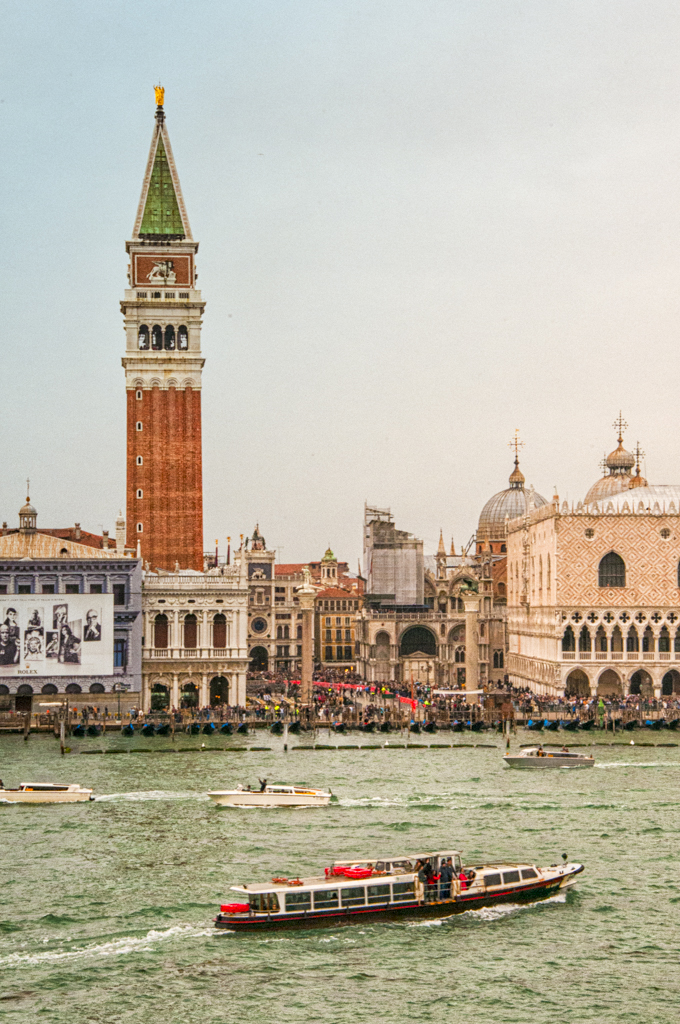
{"x": 62, "y": 735}
{"x": 27, "y": 724}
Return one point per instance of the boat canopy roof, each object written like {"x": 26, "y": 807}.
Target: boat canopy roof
{"x": 321, "y": 882}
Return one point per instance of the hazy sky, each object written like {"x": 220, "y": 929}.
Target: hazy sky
{"x": 422, "y": 225}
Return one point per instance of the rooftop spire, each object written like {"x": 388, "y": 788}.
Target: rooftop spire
{"x": 441, "y": 550}
{"x": 161, "y": 215}
{"x": 620, "y": 425}
{"x": 517, "y": 476}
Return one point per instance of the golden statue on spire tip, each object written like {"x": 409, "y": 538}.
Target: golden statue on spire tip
{"x": 160, "y": 95}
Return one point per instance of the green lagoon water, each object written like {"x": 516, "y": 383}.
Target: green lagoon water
{"x": 106, "y": 908}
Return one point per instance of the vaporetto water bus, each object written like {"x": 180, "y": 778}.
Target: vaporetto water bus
{"x": 389, "y": 889}
{"x": 537, "y": 757}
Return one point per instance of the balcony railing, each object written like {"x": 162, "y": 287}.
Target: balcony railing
{"x": 183, "y": 653}
{"x": 620, "y": 655}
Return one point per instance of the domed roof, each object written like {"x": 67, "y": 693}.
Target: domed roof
{"x": 329, "y": 556}
{"x": 511, "y": 502}
{"x": 638, "y": 480}
{"x": 27, "y": 509}
{"x": 618, "y": 464}
{"x": 620, "y": 460}
{"x": 612, "y": 483}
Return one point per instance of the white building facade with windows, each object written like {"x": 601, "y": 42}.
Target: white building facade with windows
{"x": 195, "y": 649}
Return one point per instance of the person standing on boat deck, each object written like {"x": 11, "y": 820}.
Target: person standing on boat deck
{"x": 462, "y": 878}
{"x": 263, "y": 785}
{"x": 430, "y": 882}
{"x": 445, "y": 879}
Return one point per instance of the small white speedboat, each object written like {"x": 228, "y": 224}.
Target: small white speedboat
{"x": 537, "y": 757}
{"x": 46, "y": 793}
{"x": 271, "y": 796}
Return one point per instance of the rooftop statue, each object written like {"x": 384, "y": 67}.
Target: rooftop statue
{"x": 160, "y": 95}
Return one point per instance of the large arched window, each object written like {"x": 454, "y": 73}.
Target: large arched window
{"x": 612, "y": 571}
{"x": 190, "y": 631}
{"x": 182, "y": 338}
{"x": 584, "y": 640}
{"x": 157, "y": 337}
{"x": 160, "y": 631}
{"x": 220, "y": 630}
{"x": 143, "y": 337}
{"x": 169, "y": 337}
{"x": 568, "y": 640}
{"x": 418, "y": 639}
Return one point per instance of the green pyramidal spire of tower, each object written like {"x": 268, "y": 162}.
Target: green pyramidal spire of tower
{"x": 161, "y": 212}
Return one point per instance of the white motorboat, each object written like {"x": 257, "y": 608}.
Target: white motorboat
{"x": 537, "y": 757}
{"x": 46, "y": 793}
{"x": 271, "y": 796}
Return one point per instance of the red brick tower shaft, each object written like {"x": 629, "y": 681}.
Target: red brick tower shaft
{"x": 163, "y": 364}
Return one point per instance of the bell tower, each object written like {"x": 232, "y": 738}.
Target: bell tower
{"x": 163, "y": 313}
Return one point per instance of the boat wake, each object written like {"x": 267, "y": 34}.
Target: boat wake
{"x": 151, "y": 794}
{"x": 116, "y": 947}
{"x": 489, "y": 913}
{"x": 636, "y": 764}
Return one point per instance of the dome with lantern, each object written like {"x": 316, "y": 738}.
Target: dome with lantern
{"x": 618, "y": 465}
{"x": 510, "y": 503}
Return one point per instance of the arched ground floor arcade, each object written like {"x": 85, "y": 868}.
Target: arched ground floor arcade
{"x": 194, "y": 688}
{"x": 590, "y": 680}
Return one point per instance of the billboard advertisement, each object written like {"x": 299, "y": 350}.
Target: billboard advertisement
{"x": 56, "y": 635}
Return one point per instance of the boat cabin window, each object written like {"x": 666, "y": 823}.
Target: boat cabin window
{"x": 264, "y": 903}
{"x": 457, "y": 865}
{"x": 298, "y": 901}
{"x": 403, "y": 891}
{"x": 529, "y": 873}
{"x": 324, "y": 899}
{"x": 510, "y": 876}
{"x": 492, "y": 880}
{"x": 354, "y": 897}
{"x": 401, "y": 865}
{"x": 378, "y": 893}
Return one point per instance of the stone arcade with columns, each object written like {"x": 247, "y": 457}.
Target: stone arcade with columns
{"x": 195, "y": 637}
{"x": 594, "y": 595}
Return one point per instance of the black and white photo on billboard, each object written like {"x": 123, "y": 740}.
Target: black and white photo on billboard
{"x": 93, "y": 625}
{"x": 52, "y": 644}
{"x": 59, "y": 615}
{"x": 10, "y": 619}
{"x": 34, "y": 644}
{"x": 35, "y": 619}
{"x": 70, "y": 637}
{"x": 9, "y": 646}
